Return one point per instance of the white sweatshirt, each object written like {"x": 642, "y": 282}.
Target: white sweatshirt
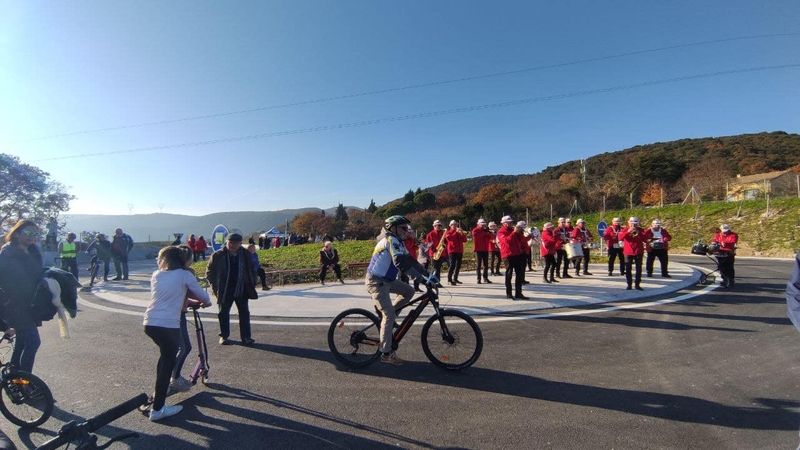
{"x": 168, "y": 290}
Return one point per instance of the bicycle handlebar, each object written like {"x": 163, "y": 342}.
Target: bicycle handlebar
{"x": 73, "y": 431}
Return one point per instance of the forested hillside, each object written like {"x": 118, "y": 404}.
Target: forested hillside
{"x": 644, "y": 175}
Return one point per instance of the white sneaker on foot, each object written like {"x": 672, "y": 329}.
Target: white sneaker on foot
{"x": 164, "y": 412}
{"x": 180, "y": 384}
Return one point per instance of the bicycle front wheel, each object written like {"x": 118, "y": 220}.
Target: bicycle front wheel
{"x": 94, "y": 272}
{"x": 452, "y": 340}
{"x": 354, "y": 337}
{"x": 25, "y": 400}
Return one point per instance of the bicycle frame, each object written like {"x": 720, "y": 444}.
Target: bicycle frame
{"x": 432, "y": 297}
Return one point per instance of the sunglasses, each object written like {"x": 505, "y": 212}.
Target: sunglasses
{"x": 30, "y": 233}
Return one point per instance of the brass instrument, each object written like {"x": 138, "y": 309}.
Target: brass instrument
{"x": 439, "y": 248}
{"x": 635, "y": 232}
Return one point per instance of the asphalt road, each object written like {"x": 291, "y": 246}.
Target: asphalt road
{"x": 718, "y": 371}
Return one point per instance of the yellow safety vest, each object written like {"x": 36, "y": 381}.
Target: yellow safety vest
{"x": 68, "y": 250}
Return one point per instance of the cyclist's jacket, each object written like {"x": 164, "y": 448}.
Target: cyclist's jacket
{"x": 103, "y": 249}
{"x": 390, "y": 258}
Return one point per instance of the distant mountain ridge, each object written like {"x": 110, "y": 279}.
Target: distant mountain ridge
{"x": 161, "y": 226}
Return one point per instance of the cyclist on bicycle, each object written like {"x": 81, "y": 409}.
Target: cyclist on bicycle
{"x": 389, "y": 259}
{"x": 101, "y": 249}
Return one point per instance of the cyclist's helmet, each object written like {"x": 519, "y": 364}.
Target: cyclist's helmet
{"x": 394, "y": 221}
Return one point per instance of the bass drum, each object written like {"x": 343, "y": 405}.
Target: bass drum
{"x": 574, "y": 250}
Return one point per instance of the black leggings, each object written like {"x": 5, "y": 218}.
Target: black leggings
{"x": 168, "y": 341}
{"x": 549, "y": 266}
{"x": 495, "y": 265}
{"x": 455, "y": 266}
{"x": 482, "y": 260}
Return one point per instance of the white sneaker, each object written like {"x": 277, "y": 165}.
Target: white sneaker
{"x": 164, "y": 412}
{"x": 180, "y": 384}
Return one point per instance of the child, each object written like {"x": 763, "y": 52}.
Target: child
{"x": 169, "y": 286}
{"x": 179, "y": 383}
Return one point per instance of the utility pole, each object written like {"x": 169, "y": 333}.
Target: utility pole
{"x": 130, "y": 209}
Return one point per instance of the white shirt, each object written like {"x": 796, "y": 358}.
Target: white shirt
{"x": 168, "y": 291}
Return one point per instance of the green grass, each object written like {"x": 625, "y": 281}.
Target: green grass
{"x": 777, "y": 235}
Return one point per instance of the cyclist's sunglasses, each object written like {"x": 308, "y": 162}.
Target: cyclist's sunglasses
{"x": 30, "y": 233}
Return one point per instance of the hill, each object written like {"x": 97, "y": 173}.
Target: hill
{"x": 160, "y": 227}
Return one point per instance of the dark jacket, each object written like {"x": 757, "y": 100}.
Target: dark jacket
{"x": 121, "y": 245}
{"x": 219, "y": 269}
{"x": 328, "y": 260}
{"x": 103, "y": 249}
{"x": 20, "y": 274}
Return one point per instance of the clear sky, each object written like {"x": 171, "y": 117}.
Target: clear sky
{"x": 69, "y": 67}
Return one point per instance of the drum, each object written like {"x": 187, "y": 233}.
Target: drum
{"x": 699, "y": 249}
{"x": 657, "y": 245}
{"x": 574, "y": 250}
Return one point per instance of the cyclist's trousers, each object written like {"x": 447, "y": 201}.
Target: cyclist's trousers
{"x": 381, "y": 291}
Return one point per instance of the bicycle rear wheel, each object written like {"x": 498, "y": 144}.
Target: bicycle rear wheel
{"x": 452, "y": 340}
{"x": 95, "y": 270}
{"x": 354, "y": 337}
{"x": 25, "y": 399}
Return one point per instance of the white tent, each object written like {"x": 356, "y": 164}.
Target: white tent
{"x": 273, "y": 232}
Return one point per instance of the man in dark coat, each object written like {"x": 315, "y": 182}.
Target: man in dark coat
{"x": 232, "y": 279}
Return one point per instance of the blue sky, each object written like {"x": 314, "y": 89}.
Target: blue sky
{"x": 68, "y": 67}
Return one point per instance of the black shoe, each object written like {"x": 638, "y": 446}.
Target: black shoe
{"x": 487, "y": 281}
{"x": 587, "y": 273}
{"x": 628, "y": 288}
{"x": 105, "y": 279}
{"x": 341, "y": 281}
{"x": 526, "y": 282}
{"x": 577, "y": 274}
{"x": 452, "y": 283}
{"x": 116, "y": 278}
{"x": 546, "y": 280}
{"x": 265, "y": 288}
{"x": 439, "y": 285}
{"x": 553, "y": 280}
{"x": 248, "y": 342}
{"x": 479, "y": 281}
{"x": 610, "y": 273}
{"x": 509, "y": 297}
{"x": 457, "y": 282}
{"x": 520, "y": 297}
{"x": 666, "y": 275}
{"x": 124, "y": 278}
{"x": 567, "y": 276}
{"x": 649, "y": 275}
{"x": 639, "y": 288}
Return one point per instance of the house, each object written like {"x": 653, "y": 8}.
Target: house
{"x": 751, "y": 187}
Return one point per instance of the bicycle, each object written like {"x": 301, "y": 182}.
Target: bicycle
{"x": 451, "y": 339}
{"x": 94, "y": 269}
{"x": 25, "y": 400}
{"x": 80, "y": 433}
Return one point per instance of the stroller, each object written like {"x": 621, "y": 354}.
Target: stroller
{"x": 710, "y": 251}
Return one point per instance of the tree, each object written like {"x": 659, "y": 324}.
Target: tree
{"x": 424, "y": 201}
{"x": 27, "y": 192}
{"x": 372, "y": 208}
{"x": 490, "y": 193}
{"x": 447, "y": 199}
{"x": 409, "y": 197}
{"x": 651, "y": 193}
{"x": 341, "y": 214}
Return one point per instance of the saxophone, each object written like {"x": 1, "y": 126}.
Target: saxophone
{"x": 439, "y": 248}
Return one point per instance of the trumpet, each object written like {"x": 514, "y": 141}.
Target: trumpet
{"x": 635, "y": 232}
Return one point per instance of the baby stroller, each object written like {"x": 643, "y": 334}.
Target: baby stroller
{"x": 710, "y": 251}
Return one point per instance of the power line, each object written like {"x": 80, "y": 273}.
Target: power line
{"x": 426, "y": 114}
{"x": 409, "y": 87}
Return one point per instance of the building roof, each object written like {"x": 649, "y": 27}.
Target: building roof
{"x": 758, "y": 177}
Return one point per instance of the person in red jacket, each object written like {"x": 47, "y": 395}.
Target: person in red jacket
{"x": 494, "y": 247}
{"x": 433, "y": 240}
{"x": 200, "y": 248}
{"x": 563, "y": 234}
{"x": 548, "y": 251}
{"x": 633, "y": 240}
{"x": 614, "y": 246}
{"x": 510, "y": 240}
{"x": 581, "y": 234}
{"x": 481, "y": 237}
{"x": 657, "y": 247}
{"x": 727, "y": 240}
{"x": 411, "y": 245}
{"x": 455, "y": 237}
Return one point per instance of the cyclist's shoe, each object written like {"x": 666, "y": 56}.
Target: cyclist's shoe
{"x": 164, "y": 412}
{"x": 391, "y": 358}
{"x": 180, "y": 384}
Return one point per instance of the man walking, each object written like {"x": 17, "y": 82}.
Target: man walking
{"x": 231, "y": 274}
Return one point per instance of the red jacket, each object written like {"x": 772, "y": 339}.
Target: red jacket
{"x": 510, "y": 242}
{"x": 727, "y": 242}
{"x": 493, "y": 242}
{"x": 411, "y": 246}
{"x": 433, "y": 238}
{"x": 562, "y": 235}
{"x": 665, "y": 238}
{"x": 481, "y": 238}
{"x": 634, "y": 245}
{"x": 455, "y": 240}
{"x": 611, "y": 235}
{"x": 582, "y": 235}
{"x": 549, "y": 242}
{"x": 200, "y": 245}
